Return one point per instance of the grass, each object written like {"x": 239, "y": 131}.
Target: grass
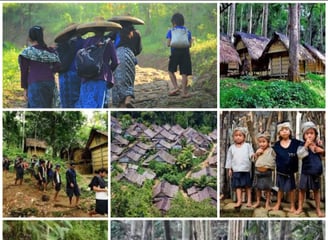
{"x": 251, "y": 92}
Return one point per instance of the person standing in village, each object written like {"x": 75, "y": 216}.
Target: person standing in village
{"x": 50, "y": 173}
{"x": 19, "y": 167}
{"x": 239, "y": 165}
{"x": 180, "y": 40}
{"x": 265, "y": 164}
{"x": 57, "y": 181}
{"x": 68, "y": 43}
{"x": 312, "y": 169}
{"x": 93, "y": 90}
{"x": 72, "y": 188}
{"x": 42, "y": 175}
{"x": 5, "y": 164}
{"x": 38, "y": 64}
{"x": 286, "y": 164}
{"x": 127, "y": 42}
{"x": 99, "y": 186}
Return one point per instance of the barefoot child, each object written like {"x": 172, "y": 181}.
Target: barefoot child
{"x": 239, "y": 165}
{"x": 57, "y": 181}
{"x": 311, "y": 166}
{"x": 287, "y": 163}
{"x": 180, "y": 55}
{"x": 264, "y": 158}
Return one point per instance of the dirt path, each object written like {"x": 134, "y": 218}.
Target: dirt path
{"x": 152, "y": 84}
{"x": 26, "y": 200}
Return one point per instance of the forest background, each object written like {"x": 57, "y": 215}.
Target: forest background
{"x": 264, "y": 19}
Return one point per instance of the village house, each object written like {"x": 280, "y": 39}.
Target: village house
{"x": 319, "y": 65}
{"x": 163, "y": 192}
{"x": 35, "y": 147}
{"x": 250, "y": 48}
{"x": 276, "y": 53}
{"x": 229, "y": 58}
{"x": 97, "y": 144}
{"x": 161, "y": 156}
{"x": 205, "y": 193}
{"x": 207, "y": 171}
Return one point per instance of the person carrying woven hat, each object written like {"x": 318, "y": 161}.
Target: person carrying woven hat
{"x": 239, "y": 165}
{"x": 93, "y": 90}
{"x": 68, "y": 43}
{"x": 265, "y": 164}
{"x": 310, "y": 154}
{"x": 286, "y": 163}
{"x": 38, "y": 64}
{"x": 127, "y": 42}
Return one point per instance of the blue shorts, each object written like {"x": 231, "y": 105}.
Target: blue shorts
{"x": 308, "y": 182}
{"x": 181, "y": 58}
{"x": 73, "y": 191}
{"x": 285, "y": 182}
{"x": 241, "y": 180}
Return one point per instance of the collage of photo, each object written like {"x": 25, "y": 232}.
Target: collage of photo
{"x": 115, "y": 114}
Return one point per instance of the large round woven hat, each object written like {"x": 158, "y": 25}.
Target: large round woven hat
{"x": 99, "y": 22}
{"x": 127, "y": 18}
{"x": 67, "y": 33}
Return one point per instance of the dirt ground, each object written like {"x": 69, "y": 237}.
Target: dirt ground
{"x": 27, "y": 200}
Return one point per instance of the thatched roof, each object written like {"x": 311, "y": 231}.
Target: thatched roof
{"x": 315, "y": 52}
{"x": 165, "y": 189}
{"x": 228, "y": 53}
{"x": 93, "y": 133}
{"x": 255, "y": 44}
{"x": 32, "y": 142}
{"x": 303, "y": 54}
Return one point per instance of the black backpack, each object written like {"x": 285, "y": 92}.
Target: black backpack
{"x": 66, "y": 53}
{"x": 89, "y": 60}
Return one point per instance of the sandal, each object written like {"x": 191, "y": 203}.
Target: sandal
{"x": 186, "y": 95}
{"x": 175, "y": 92}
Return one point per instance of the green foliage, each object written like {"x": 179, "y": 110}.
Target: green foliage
{"x": 160, "y": 168}
{"x": 186, "y": 207}
{"x": 128, "y": 200}
{"x": 272, "y": 94}
{"x": 55, "y": 230}
{"x": 187, "y": 183}
{"x": 174, "y": 177}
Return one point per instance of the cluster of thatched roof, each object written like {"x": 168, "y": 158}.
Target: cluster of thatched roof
{"x": 257, "y": 46}
{"x": 153, "y": 144}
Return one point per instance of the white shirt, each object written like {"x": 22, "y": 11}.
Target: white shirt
{"x": 238, "y": 158}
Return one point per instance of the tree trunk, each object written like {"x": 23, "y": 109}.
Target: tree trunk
{"x": 167, "y": 230}
{"x": 232, "y": 21}
{"x": 293, "y": 69}
{"x": 250, "y": 19}
{"x": 265, "y": 19}
{"x": 186, "y": 230}
{"x": 147, "y": 230}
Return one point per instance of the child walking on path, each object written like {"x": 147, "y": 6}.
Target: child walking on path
{"x": 311, "y": 166}
{"x": 239, "y": 165}
{"x": 287, "y": 163}
{"x": 264, "y": 158}
{"x": 180, "y": 54}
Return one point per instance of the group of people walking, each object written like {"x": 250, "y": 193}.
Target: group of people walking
{"x": 39, "y": 63}
{"x": 43, "y": 172}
